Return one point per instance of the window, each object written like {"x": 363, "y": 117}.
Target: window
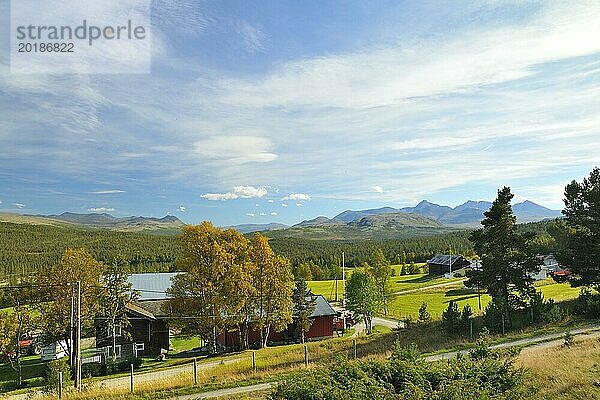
{"x": 139, "y": 346}
{"x": 118, "y": 330}
{"x": 118, "y": 351}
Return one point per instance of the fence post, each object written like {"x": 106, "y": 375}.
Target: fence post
{"x": 60, "y": 384}
{"x": 131, "y": 379}
{"x": 305, "y": 356}
{"x": 532, "y": 321}
{"x": 195, "y": 372}
{"x": 471, "y": 328}
{"x": 354, "y": 347}
{"x": 253, "y": 360}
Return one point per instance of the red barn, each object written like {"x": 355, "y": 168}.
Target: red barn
{"x": 322, "y": 327}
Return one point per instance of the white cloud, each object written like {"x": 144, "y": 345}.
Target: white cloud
{"x": 284, "y": 205}
{"x": 244, "y": 192}
{"x": 262, "y": 214}
{"x": 219, "y": 196}
{"x": 113, "y": 191}
{"x": 269, "y": 201}
{"x": 19, "y": 205}
{"x": 251, "y": 214}
{"x": 181, "y": 209}
{"x": 249, "y": 191}
{"x": 101, "y": 209}
{"x": 252, "y": 37}
{"x": 235, "y": 150}
{"x": 376, "y": 189}
{"x": 298, "y": 204}
{"x": 385, "y": 76}
{"x": 273, "y": 213}
{"x": 297, "y": 196}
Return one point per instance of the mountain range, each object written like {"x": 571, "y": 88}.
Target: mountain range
{"x": 424, "y": 218}
{"x": 107, "y": 221}
{"x": 466, "y": 215}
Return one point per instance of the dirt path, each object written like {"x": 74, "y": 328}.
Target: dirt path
{"x": 521, "y": 342}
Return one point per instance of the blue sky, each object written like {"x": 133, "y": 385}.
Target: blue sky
{"x": 285, "y": 110}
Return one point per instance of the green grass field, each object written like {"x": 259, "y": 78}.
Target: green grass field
{"x": 437, "y": 299}
{"x": 327, "y": 289}
{"x": 416, "y": 281}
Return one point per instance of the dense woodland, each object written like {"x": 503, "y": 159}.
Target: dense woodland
{"x": 29, "y": 248}
{"x": 26, "y": 248}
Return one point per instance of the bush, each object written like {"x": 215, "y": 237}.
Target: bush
{"x": 587, "y": 304}
{"x": 120, "y": 365}
{"x": 451, "y": 319}
{"x": 50, "y": 375}
{"x": 494, "y": 315}
{"x": 92, "y": 369}
{"x": 406, "y": 376}
{"x": 424, "y": 316}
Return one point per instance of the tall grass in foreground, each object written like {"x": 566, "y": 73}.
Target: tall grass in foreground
{"x": 269, "y": 363}
{"x": 559, "y": 372}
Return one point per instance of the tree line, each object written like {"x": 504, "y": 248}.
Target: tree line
{"x": 27, "y": 249}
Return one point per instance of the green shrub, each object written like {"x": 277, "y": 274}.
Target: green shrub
{"x": 424, "y": 316}
{"x": 50, "y": 375}
{"x": 406, "y": 376}
{"x": 91, "y": 369}
{"x": 451, "y": 319}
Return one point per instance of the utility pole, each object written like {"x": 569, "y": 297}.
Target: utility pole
{"x": 71, "y": 338}
{"x": 344, "y": 291}
{"x": 78, "y": 339}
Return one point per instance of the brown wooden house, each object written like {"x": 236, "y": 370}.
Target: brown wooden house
{"x": 148, "y": 331}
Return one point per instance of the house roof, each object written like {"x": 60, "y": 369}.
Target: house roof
{"x": 152, "y": 286}
{"x": 153, "y": 295}
{"x": 444, "y": 259}
{"x": 322, "y": 308}
{"x": 140, "y": 311}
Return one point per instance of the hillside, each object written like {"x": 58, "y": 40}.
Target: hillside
{"x": 107, "y": 221}
{"x": 251, "y": 228}
{"x": 370, "y": 227}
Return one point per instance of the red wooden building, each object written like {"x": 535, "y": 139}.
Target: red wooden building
{"x": 322, "y": 327}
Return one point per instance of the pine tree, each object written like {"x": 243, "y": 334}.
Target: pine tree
{"x": 578, "y": 235}
{"x": 507, "y": 261}
{"x": 304, "y": 306}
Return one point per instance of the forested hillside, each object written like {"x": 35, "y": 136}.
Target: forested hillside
{"x": 27, "y": 248}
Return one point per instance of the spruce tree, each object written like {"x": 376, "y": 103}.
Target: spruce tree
{"x": 304, "y": 306}
{"x": 507, "y": 260}
{"x": 578, "y": 235}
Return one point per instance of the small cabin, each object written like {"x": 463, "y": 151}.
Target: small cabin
{"x": 444, "y": 263}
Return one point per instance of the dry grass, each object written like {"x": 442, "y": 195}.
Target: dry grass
{"x": 558, "y": 372}
{"x": 270, "y": 362}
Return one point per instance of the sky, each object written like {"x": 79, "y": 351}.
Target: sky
{"x": 279, "y": 111}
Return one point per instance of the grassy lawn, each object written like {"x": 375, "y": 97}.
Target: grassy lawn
{"x": 326, "y": 288}
{"x": 437, "y": 299}
{"x": 32, "y": 372}
{"x": 398, "y": 267}
{"x": 396, "y": 283}
{"x": 416, "y": 281}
